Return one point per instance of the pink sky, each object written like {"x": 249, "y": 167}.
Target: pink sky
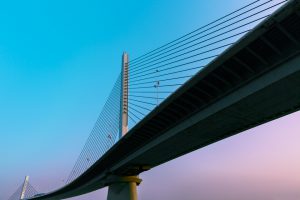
{"x": 262, "y": 163}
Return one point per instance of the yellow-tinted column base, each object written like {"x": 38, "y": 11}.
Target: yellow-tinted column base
{"x": 123, "y": 188}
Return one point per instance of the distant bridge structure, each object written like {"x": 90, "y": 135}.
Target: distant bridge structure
{"x": 24, "y": 191}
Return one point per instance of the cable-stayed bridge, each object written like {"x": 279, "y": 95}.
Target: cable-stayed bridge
{"x": 230, "y": 75}
{"x": 24, "y": 191}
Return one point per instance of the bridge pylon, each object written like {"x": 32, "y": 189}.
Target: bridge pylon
{"x": 123, "y": 187}
{"x": 124, "y": 96}
{"x": 25, "y": 184}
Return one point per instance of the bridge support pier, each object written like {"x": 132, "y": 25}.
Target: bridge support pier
{"x": 123, "y": 188}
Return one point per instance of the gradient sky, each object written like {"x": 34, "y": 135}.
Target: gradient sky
{"x": 58, "y": 62}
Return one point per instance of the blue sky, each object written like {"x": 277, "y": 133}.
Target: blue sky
{"x": 58, "y": 62}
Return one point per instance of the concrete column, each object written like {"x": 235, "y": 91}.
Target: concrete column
{"x": 124, "y": 96}
{"x": 123, "y": 188}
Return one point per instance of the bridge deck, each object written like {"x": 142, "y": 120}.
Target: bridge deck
{"x": 253, "y": 82}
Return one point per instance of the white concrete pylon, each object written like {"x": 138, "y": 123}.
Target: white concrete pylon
{"x": 25, "y": 184}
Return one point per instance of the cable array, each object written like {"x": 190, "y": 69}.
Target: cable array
{"x": 17, "y": 194}
{"x": 30, "y": 192}
{"x": 160, "y": 72}
{"x": 103, "y": 135}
